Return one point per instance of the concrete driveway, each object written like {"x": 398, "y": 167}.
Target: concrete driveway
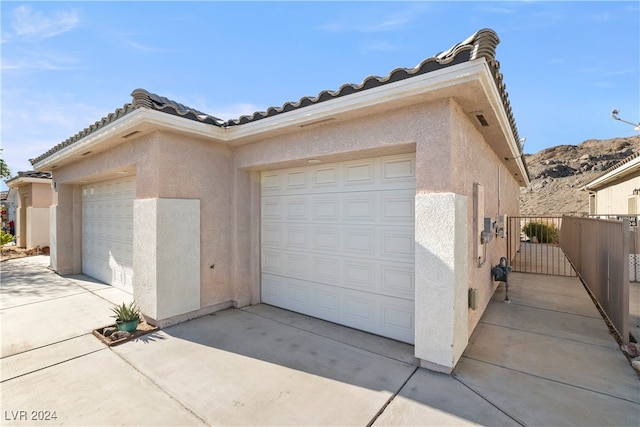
{"x": 266, "y": 366}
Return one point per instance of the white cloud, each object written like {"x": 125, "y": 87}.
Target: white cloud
{"x": 40, "y": 61}
{"x": 497, "y": 10}
{"x": 33, "y": 122}
{"x": 36, "y": 25}
{"x": 144, "y": 48}
{"x": 620, "y": 72}
{"x": 387, "y": 22}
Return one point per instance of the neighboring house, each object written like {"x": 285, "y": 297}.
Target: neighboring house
{"x": 9, "y": 199}
{"x": 34, "y": 197}
{"x": 362, "y": 206}
{"x": 617, "y": 190}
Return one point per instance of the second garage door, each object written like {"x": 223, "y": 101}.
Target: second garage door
{"x": 338, "y": 243}
{"x": 107, "y": 231}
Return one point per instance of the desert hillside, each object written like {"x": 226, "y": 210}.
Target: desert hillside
{"x": 558, "y": 174}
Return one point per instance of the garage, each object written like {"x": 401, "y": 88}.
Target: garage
{"x": 337, "y": 243}
{"x": 107, "y": 231}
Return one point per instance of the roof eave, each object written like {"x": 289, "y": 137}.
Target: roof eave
{"x": 426, "y": 87}
{"x": 513, "y": 146}
{"x": 611, "y": 176}
{"x": 139, "y": 122}
{"x": 397, "y": 92}
{"x": 19, "y": 181}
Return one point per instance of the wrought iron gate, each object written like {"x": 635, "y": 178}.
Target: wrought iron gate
{"x": 533, "y": 246}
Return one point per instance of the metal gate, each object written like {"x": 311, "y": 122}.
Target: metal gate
{"x": 533, "y": 245}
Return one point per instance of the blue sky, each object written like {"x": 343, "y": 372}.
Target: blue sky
{"x": 65, "y": 65}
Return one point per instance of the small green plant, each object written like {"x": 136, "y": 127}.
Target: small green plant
{"x": 542, "y": 231}
{"x": 5, "y": 238}
{"x": 126, "y": 313}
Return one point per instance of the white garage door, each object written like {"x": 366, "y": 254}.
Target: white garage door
{"x": 338, "y": 243}
{"x": 107, "y": 231}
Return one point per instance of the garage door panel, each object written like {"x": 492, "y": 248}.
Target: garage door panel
{"x": 324, "y": 177}
{"x": 397, "y": 244}
{"x": 391, "y": 317}
{"x": 271, "y": 209}
{"x": 397, "y": 279}
{"x": 398, "y": 169}
{"x": 326, "y": 269}
{"x": 325, "y": 208}
{"x": 398, "y": 207}
{"x": 297, "y": 265}
{"x": 272, "y": 261}
{"x": 107, "y": 231}
{"x": 272, "y": 235}
{"x": 386, "y": 206}
{"x": 388, "y": 173}
{"x": 360, "y": 274}
{"x": 338, "y": 243}
{"x": 383, "y": 278}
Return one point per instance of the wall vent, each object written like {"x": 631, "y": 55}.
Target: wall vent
{"x": 482, "y": 120}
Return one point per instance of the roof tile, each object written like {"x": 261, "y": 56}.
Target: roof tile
{"x": 480, "y": 45}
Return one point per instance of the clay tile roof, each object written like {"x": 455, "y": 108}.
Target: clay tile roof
{"x": 142, "y": 98}
{"x": 29, "y": 174}
{"x": 480, "y": 45}
{"x": 34, "y": 174}
{"x": 620, "y": 163}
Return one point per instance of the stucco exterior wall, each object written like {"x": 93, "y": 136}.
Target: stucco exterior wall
{"x": 614, "y": 199}
{"x": 41, "y": 195}
{"x": 37, "y": 227}
{"x": 475, "y": 162}
{"x": 451, "y": 156}
{"x": 167, "y": 166}
{"x": 32, "y": 214}
{"x": 198, "y": 169}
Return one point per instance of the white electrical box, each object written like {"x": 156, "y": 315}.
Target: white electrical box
{"x": 501, "y": 225}
{"x": 487, "y": 232}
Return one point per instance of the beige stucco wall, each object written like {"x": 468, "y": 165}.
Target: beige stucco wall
{"x": 474, "y": 162}
{"x": 166, "y": 166}
{"x": 32, "y": 214}
{"x": 451, "y": 155}
{"x": 614, "y": 199}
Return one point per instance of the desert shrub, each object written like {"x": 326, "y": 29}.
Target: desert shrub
{"x": 5, "y": 238}
{"x": 542, "y": 231}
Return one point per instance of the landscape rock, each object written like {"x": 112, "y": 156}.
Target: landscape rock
{"x": 636, "y": 365}
{"x": 119, "y": 335}
{"x": 632, "y": 349}
{"x": 108, "y": 331}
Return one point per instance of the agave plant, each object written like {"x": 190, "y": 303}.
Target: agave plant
{"x": 126, "y": 313}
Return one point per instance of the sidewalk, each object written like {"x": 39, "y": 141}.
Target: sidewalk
{"x": 545, "y": 359}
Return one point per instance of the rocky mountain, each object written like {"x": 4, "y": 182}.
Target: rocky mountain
{"x": 558, "y": 174}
